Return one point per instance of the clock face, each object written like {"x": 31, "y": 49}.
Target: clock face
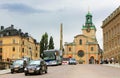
{"x": 88, "y": 30}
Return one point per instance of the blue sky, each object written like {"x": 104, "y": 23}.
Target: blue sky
{"x": 39, "y": 16}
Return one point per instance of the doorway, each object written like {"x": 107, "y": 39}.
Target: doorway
{"x": 91, "y": 60}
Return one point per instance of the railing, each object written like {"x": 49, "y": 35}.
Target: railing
{"x": 4, "y": 64}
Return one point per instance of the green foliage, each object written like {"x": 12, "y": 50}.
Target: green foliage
{"x": 45, "y": 41}
{"x": 51, "y": 43}
{"x": 44, "y": 44}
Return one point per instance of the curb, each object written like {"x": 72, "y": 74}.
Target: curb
{"x": 4, "y": 71}
{"x": 112, "y": 65}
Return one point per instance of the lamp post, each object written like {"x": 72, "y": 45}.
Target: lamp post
{"x": 101, "y": 55}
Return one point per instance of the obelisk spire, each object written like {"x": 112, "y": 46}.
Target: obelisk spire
{"x": 61, "y": 36}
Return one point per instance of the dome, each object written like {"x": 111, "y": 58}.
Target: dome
{"x": 88, "y": 14}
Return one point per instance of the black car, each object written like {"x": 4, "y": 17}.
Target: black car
{"x": 72, "y": 61}
{"x": 17, "y": 66}
{"x": 36, "y": 67}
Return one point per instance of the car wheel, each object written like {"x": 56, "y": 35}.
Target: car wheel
{"x": 46, "y": 71}
{"x": 12, "y": 71}
{"x": 26, "y": 74}
{"x": 41, "y": 72}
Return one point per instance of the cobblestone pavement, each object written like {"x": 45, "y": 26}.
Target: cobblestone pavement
{"x": 73, "y": 71}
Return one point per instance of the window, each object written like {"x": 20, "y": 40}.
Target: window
{"x": 92, "y": 48}
{"x": 1, "y": 35}
{"x": 80, "y": 53}
{"x": 13, "y": 48}
{"x": 0, "y": 42}
{"x": 36, "y": 55}
{"x": 23, "y": 50}
{"x": 69, "y": 48}
{"x": 8, "y": 33}
{"x": 0, "y": 58}
{"x": 36, "y": 48}
{"x": 13, "y": 41}
{"x": 80, "y": 42}
{"x": 0, "y": 50}
{"x": 23, "y": 42}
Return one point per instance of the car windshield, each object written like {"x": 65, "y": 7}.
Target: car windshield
{"x": 72, "y": 59}
{"x": 65, "y": 59}
{"x": 18, "y": 62}
{"x": 49, "y": 56}
{"x": 36, "y": 62}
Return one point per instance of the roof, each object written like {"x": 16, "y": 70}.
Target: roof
{"x": 71, "y": 44}
{"x": 80, "y": 35}
{"x": 11, "y": 31}
{"x": 111, "y": 17}
{"x": 92, "y": 43}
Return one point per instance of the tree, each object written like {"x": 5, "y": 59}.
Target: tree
{"x": 46, "y": 41}
{"x": 51, "y": 43}
{"x": 43, "y": 44}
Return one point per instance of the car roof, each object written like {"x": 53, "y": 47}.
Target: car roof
{"x": 37, "y": 60}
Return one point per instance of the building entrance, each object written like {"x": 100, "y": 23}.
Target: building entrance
{"x": 91, "y": 60}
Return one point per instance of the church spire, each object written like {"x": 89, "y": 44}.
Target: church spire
{"x": 88, "y": 23}
{"x": 88, "y": 18}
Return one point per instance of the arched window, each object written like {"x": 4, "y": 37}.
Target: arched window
{"x": 80, "y": 42}
{"x": 13, "y": 48}
{"x": 69, "y": 48}
{"x": 92, "y": 48}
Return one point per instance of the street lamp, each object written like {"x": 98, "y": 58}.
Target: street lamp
{"x": 101, "y": 55}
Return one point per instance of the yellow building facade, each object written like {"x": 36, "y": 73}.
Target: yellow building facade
{"x": 84, "y": 47}
{"x": 15, "y": 44}
{"x": 111, "y": 35}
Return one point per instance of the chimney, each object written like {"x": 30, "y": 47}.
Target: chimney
{"x": 2, "y": 27}
{"x": 26, "y": 34}
{"x": 19, "y": 30}
{"x": 12, "y": 26}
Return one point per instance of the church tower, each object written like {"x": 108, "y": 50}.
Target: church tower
{"x": 89, "y": 28}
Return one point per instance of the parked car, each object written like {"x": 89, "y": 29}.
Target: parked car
{"x": 72, "y": 61}
{"x": 36, "y": 67}
{"x": 17, "y": 66}
{"x": 65, "y": 61}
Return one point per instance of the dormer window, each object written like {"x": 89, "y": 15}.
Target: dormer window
{"x": 1, "y": 35}
{"x": 13, "y": 41}
{"x": 7, "y": 33}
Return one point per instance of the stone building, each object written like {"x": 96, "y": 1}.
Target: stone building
{"x": 14, "y": 44}
{"x": 111, "y": 35}
{"x": 84, "y": 47}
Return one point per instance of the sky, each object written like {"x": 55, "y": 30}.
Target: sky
{"x": 39, "y": 16}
